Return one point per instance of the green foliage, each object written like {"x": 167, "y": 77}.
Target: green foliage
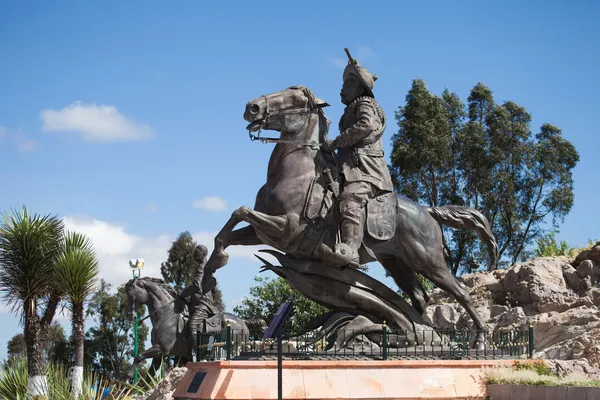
{"x": 109, "y": 344}
{"x": 535, "y": 373}
{"x": 180, "y": 267}
{"x": 16, "y": 348}
{"x": 58, "y": 348}
{"x": 13, "y": 384}
{"x": 482, "y": 155}
{"x": 425, "y": 284}
{"x": 13, "y": 380}
{"x": 539, "y": 366}
{"x": 268, "y": 294}
{"x": 77, "y": 268}
{"x": 547, "y": 246}
{"x": 30, "y": 244}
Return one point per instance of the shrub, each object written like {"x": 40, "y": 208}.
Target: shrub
{"x": 535, "y": 373}
{"x": 13, "y": 383}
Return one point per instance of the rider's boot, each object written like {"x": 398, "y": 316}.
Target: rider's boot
{"x": 352, "y": 235}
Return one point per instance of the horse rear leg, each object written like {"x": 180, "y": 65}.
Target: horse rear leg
{"x": 407, "y": 280}
{"x": 443, "y": 278}
{"x": 431, "y": 264}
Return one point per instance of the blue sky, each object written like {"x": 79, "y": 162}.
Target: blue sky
{"x": 126, "y": 117}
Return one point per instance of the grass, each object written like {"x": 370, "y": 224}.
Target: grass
{"x": 13, "y": 384}
{"x": 535, "y": 373}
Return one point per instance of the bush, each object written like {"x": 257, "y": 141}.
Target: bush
{"x": 547, "y": 246}
{"x": 13, "y": 383}
{"x": 535, "y": 373}
{"x": 538, "y": 366}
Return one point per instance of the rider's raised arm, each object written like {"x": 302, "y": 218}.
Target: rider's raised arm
{"x": 367, "y": 122}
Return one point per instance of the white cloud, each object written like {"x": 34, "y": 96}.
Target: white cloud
{"x": 95, "y": 123}
{"x": 115, "y": 247}
{"x": 27, "y": 145}
{"x": 19, "y": 139}
{"x": 212, "y": 203}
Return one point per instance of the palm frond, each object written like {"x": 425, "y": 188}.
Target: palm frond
{"x": 77, "y": 273}
{"x": 30, "y": 244}
{"x": 76, "y": 240}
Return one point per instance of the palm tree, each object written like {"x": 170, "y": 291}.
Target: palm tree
{"x": 76, "y": 274}
{"x": 30, "y": 245}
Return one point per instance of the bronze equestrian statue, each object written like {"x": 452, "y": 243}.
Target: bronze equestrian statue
{"x": 360, "y": 154}
{"x": 296, "y": 209}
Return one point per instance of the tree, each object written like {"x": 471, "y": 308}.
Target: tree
{"x": 266, "y": 297}
{"x": 16, "y": 347}
{"x": 109, "y": 344}
{"x": 58, "y": 348}
{"x": 30, "y": 245}
{"x": 547, "y": 246}
{"x": 77, "y": 271}
{"x": 482, "y": 155}
{"x": 180, "y": 267}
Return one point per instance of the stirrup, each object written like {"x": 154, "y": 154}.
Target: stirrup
{"x": 345, "y": 253}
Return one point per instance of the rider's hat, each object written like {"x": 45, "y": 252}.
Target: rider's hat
{"x": 364, "y": 76}
{"x": 201, "y": 251}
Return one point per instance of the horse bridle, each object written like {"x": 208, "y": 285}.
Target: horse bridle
{"x": 309, "y": 108}
{"x": 160, "y": 308}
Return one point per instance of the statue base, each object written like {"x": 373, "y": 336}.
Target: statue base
{"x": 341, "y": 379}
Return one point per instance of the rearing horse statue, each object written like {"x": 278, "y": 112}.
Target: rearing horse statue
{"x": 295, "y": 210}
{"x": 169, "y": 336}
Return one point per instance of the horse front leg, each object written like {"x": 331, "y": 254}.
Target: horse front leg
{"x": 270, "y": 226}
{"x": 152, "y": 352}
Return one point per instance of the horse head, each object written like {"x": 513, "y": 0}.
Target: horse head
{"x": 286, "y": 111}
{"x": 153, "y": 292}
{"x": 136, "y": 295}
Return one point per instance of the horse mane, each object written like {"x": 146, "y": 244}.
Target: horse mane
{"x": 158, "y": 282}
{"x": 323, "y": 120}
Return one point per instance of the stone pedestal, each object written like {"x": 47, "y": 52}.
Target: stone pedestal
{"x": 343, "y": 379}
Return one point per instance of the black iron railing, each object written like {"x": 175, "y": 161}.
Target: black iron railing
{"x": 442, "y": 344}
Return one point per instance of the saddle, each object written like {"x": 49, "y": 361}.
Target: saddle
{"x": 212, "y": 323}
{"x": 323, "y": 191}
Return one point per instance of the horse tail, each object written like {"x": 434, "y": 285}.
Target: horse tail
{"x": 460, "y": 217}
{"x": 255, "y": 323}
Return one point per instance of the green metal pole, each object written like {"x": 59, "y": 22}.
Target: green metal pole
{"x": 531, "y": 339}
{"x": 135, "y": 337}
{"x": 384, "y": 340}
{"x": 228, "y": 341}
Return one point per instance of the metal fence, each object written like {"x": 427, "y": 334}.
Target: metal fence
{"x": 442, "y": 344}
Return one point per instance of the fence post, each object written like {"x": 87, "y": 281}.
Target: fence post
{"x": 530, "y": 340}
{"x": 198, "y": 343}
{"x": 384, "y": 340}
{"x": 228, "y": 340}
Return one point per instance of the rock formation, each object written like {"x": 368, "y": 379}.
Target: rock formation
{"x": 164, "y": 390}
{"x": 558, "y": 296}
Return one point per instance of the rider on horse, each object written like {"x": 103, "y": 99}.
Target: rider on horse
{"x": 360, "y": 154}
{"x": 202, "y": 307}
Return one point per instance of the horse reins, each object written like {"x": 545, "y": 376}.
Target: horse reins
{"x": 310, "y": 107}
